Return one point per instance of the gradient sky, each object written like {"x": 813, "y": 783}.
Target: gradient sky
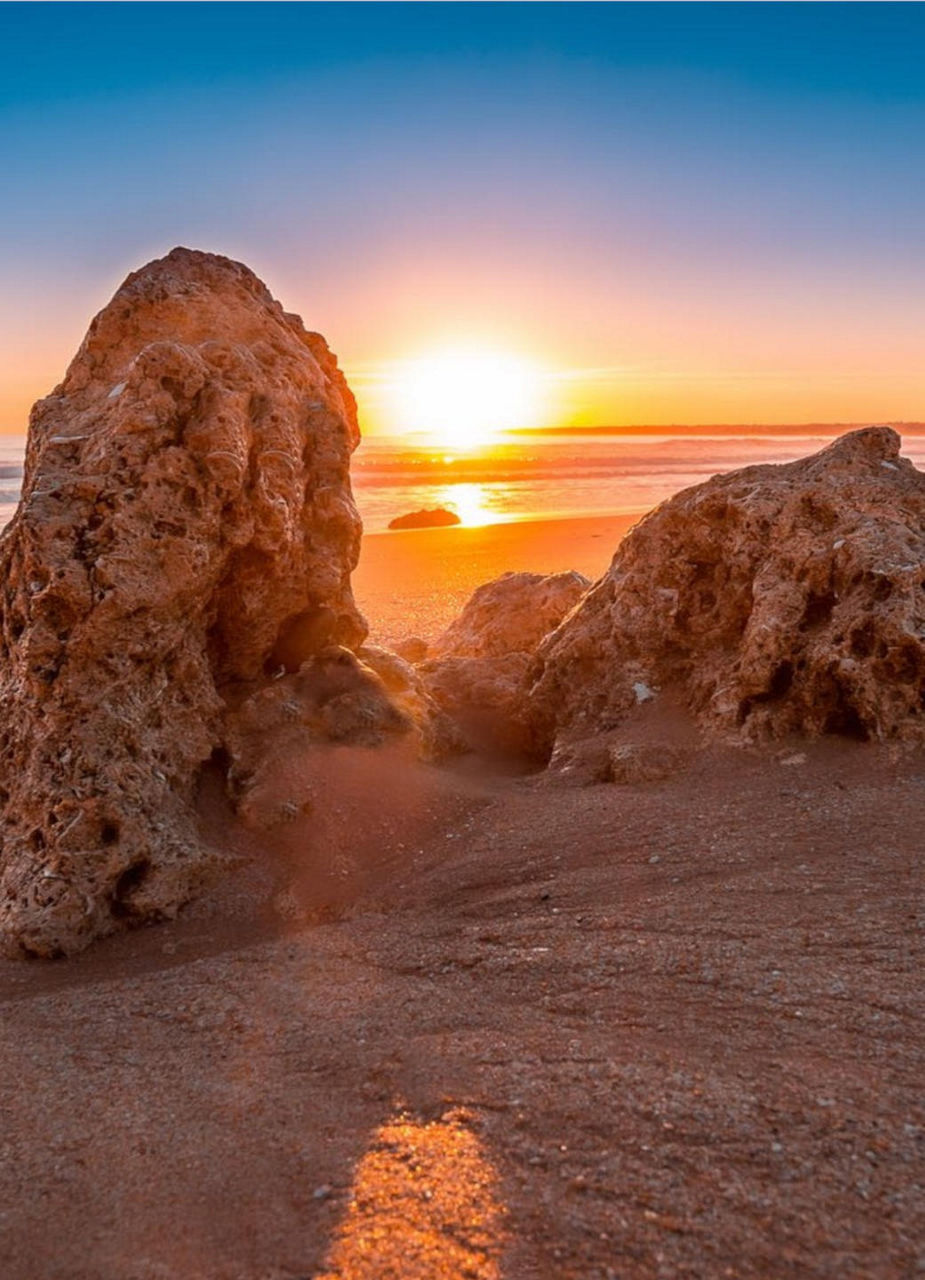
{"x": 682, "y": 212}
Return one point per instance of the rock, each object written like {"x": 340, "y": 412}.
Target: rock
{"x": 435, "y": 518}
{"x": 186, "y": 526}
{"x": 332, "y": 698}
{"x": 412, "y": 649}
{"x": 484, "y": 696}
{"x": 582, "y": 762}
{"x": 635, "y": 762}
{"x": 368, "y": 699}
{"x": 511, "y": 614}
{"x": 395, "y": 672}
{"x": 477, "y": 666}
{"x": 437, "y": 734}
{"x": 775, "y": 600}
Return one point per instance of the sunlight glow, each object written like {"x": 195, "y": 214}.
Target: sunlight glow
{"x": 468, "y": 501}
{"x": 465, "y": 397}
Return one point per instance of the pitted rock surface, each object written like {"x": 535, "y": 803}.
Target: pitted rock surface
{"x": 774, "y": 600}
{"x": 367, "y": 699}
{"x": 435, "y": 734}
{"x": 483, "y": 697}
{"x": 511, "y": 614}
{"x": 186, "y": 523}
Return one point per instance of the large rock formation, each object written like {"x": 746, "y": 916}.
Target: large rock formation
{"x": 186, "y": 527}
{"x": 773, "y": 600}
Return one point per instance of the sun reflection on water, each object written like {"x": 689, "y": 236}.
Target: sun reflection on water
{"x": 468, "y": 501}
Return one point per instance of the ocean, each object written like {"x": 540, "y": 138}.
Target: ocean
{"x": 561, "y": 476}
{"x": 530, "y": 477}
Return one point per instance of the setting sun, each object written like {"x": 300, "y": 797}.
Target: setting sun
{"x": 464, "y": 398}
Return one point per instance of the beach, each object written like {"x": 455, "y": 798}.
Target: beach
{"x": 490, "y": 1021}
{"x": 530, "y": 1030}
{"x": 462, "y": 642}
{"x": 415, "y": 581}
{"x": 485, "y": 1020}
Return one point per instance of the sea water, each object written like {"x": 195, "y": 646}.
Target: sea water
{"x": 536, "y": 477}
{"x": 530, "y": 477}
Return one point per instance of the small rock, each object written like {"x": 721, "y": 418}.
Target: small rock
{"x": 413, "y": 649}
{"x": 435, "y": 518}
{"x": 510, "y": 615}
{"x": 634, "y": 762}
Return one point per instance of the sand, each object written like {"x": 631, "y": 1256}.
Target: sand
{"x": 494, "y": 1026}
{"x": 415, "y": 581}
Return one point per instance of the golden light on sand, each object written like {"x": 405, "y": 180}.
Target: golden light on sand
{"x": 465, "y": 397}
{"x": 424, "y": 1203}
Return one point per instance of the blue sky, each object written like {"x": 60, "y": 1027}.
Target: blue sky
{"x": 711, "y": 207}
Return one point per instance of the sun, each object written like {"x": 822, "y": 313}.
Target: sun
{"x": 465, "y": 397}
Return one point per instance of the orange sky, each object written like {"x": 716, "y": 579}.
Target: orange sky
{"x": 616, "y": 345}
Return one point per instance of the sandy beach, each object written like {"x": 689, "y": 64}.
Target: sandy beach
{"x": 507, "y": 1031}
{"x": 414, "y": 582}
{"x": 539, "y": 896}
{"x": 469, "y": 1022}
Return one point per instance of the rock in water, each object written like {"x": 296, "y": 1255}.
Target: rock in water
{"x": 433, "y": 518}
{"x": 186, "y": 518}
{"x": 774, "y": 600}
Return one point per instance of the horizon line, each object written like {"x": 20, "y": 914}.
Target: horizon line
{"x": 648, "y": 428}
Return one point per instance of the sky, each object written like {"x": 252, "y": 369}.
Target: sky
{"x": 670, "y": 212}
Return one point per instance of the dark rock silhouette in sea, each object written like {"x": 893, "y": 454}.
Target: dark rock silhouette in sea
{"x": 434, "y": 518}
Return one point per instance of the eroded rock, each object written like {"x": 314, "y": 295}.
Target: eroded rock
{"x": 332, "y": 698}
{"x": 483, "y": 697}
{"x": 632, "y": 763}
{"x": 436, "y": 734}
{"x": 511, "y": 614}
{"x": 413, "y": 649}
{"x": 771, "y": 601}
{"x": 186, "y": 525}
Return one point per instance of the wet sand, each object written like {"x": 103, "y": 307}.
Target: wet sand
{"x": 415, "y": 581}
